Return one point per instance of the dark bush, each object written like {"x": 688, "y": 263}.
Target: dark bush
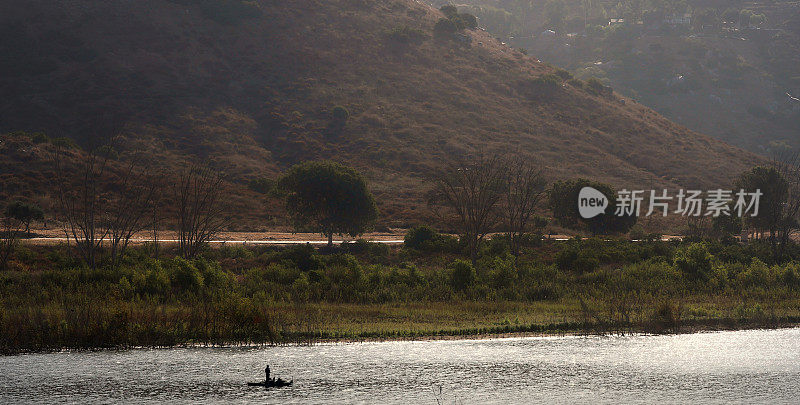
{"x": 496, "y": 246}
{"x": 444, "y": 28}
{"x": 39, "y": 137}
{"x": 694, "y": 260}
{"x": 303, "y": 257}
{"x": 563, "y": 74}
{"x": 544, "y": 86}
{"x": 184, "y": 275}
{"x": 340, "y": 113}
{"x": 419, "y": 236}
{"x": 463, "y": 275}
{"x": 427, "y": 239}
{"x": 577, "y": 260}
{"x": 577, "y": 83}
{"x": 465, "y": 21}
{"x": 375, "y": 252}
{"x": 449, "y": 10}
{"x": 597, "y": 87}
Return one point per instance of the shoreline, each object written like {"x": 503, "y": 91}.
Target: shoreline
{"x": 690, "y": 327}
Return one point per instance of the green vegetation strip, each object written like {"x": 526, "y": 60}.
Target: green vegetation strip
{"x": 365, "y": 291}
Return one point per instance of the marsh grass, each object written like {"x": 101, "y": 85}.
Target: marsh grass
{"x": 269, "y": 295}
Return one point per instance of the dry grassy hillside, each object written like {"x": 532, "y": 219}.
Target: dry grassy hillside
{"x": 251, "y": 89}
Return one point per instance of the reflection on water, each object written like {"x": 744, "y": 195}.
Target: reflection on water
{"x": 746, "y": 366}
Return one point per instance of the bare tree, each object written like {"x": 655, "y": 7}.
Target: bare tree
{"x": 525, "y": 187}
{"x": 471, "y": 192}
{"x": 81, "y": 198}
{"x": 200, "y": 208}
{"x": 787, "y": 224}
{"x": 11, "y": 227}
{"x": 126, "y": 211}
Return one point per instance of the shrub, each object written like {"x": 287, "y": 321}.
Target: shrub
{"x": 303, "y": 257}
{"x": 444, "y": 28}
{"x": 545, "y": 86}
{"x": 463, "y": 275}
{"x": 581, "y": 261}
{"x": 449, "y": 10}
{"x": 790, "y": 276}
{"x": 694, "y": 261}
{"x": 597, "y": 87}
{"x": 576, "y": 83}
{"x": 427, "y": 239}
{"x": 301, "y": 288}
{"x": 340, "y": 114}
{"x": 39, "y": 137}
{"x": 666, "y": 316}
{"x": 563, "y": 74}
{"x": 184, "y": 275}
{"x": 496, "y": 246}
{"x": 375, "y": 252}
{"x": 585, "y": 264}
{"x": 156, "y": 282}
{"x": 465, "y": 21}
{"x": 420, "y": 236}
{"x": 213, "y": 275}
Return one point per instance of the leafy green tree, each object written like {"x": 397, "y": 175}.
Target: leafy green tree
{"x": 24, "y": 212}
{"x": 329, "y": 198}
{"x": 564, "y": 204}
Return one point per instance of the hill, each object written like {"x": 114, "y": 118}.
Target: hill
{"x": 250, "y": 88}
{"x": 716, "y": 70}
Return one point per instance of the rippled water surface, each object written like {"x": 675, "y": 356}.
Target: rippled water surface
{"x": 722, "y": 367}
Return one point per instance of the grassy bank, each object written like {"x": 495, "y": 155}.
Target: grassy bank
{"x": 50, "y": 301}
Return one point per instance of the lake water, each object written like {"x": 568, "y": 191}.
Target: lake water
{"x": 722, "y": 367}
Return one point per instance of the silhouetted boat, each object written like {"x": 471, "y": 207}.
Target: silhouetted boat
{"x": 271, "y": 383}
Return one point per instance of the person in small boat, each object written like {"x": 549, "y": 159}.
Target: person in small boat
{"x": 266, "y": 371}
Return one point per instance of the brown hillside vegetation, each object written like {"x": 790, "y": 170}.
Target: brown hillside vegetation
{"x": 249, "y": 87}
